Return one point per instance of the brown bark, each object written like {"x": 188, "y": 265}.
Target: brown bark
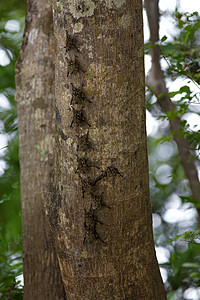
{"x": 35, "y": 103}
{"x": 156, "y": 79}
{"x": 99, "y": 211}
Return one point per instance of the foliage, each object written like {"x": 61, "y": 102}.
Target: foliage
{"x": 11, "y": 267}
{"x": 12, "y": 16}
{"x": 179, "y": 236}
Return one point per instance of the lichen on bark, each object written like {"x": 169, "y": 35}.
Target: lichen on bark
{"x": 81, "y": 8}
{"x": 114, "y": 3}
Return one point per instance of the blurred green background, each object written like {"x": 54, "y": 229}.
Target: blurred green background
{"x": 12, "y": 14}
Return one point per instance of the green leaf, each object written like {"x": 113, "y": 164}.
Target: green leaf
{"x": 172, "y": 115}
{"x": 187, "y": 236}
{"x": 172, "y": 94}
{"x": 170, "y": 48}
{"x": 163, "y": 39}
{"x": 185, "y": 89}
{"x": 171, "y": 295}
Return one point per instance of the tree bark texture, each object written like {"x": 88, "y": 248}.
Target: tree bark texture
{"x": 99, "y": 211}
{"x": 35, "y": 98}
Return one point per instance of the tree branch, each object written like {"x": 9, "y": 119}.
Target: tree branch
{"x": 157, "y": 80}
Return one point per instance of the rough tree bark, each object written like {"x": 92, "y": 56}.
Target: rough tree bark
{"x": 36, "y": 120}
{"x": 97, "y": 197}
{"x": 100, "y": 212}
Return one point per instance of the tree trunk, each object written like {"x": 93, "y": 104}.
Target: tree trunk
{"x": 91, "y": 149}
{"x": 35, "y": 98}
{"x": 99, "y": 212}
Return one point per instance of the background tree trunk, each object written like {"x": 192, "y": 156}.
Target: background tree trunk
{"x": 156, "y": 80}
{"x": 99, "y": 211}
{"x": 35, "y": 98}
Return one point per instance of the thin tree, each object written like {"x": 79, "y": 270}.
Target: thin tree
{"x": 87, "y": 168}
{"x": 156, "y": 81}
{"x": 36, "y": 121}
